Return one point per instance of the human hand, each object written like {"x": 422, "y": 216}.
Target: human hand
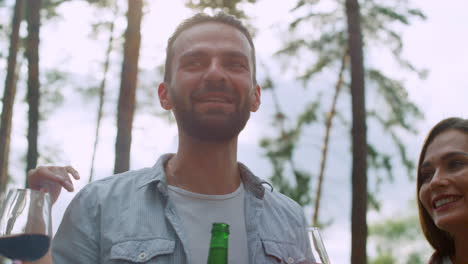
{"x": 51, "y": 179}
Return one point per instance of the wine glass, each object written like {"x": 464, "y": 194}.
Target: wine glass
{"x": 318, "y": 248}
{"x": 25, "y": 225}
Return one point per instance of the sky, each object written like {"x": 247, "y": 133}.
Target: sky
{"x": 437, "y": 44}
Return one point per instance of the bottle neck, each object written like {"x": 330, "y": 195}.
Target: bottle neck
{"x": 218, "y": 253}
{"x": 219, "y": 240}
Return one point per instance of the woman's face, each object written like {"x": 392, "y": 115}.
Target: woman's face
{"x": 444, "y": 180}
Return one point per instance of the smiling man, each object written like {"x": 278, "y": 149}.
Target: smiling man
{"x": 164, "y": 214}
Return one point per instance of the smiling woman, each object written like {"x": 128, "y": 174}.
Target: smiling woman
{"x": 442, "y": 186}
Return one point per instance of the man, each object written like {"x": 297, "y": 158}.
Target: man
{"x": 164, "y": 214}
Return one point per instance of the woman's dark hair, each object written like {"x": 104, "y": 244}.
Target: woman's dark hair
{"x": 440, "y": 240}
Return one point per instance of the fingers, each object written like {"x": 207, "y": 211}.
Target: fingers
{"x": 43, "y": 173}
{"x": 61, "y": 175}
{"x": 73, "y": 172}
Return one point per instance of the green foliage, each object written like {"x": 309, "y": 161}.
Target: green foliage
{"x": 396, "y": 114}
{"x": 384, "y": 258}
{"x": 102, "y": 3}
{"x": 373, "y": 202}
{"x": 390, "y": 234}
{"x": 414, "y": 258}
{"x": 308, "y": 116}
{"x": 49, "y": 8}
{"x": 228, "y": 6}
{"x": 280, "y": 151}
{"x": 232, "y": 7}
{"x": 52, "y": 91}
{"x": 396, "y": 229}
{"x": 109, "y": 11}
{"x": 396, "y": 97}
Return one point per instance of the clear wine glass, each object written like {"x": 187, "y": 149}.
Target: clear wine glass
{"x": 318, "y": 248}
{"x": 25, "y": 225}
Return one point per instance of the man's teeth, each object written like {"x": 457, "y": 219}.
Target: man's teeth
{"x": 215, "y": 100}
{"x": 445, "y": 201}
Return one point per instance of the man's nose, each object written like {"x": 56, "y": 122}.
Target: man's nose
{"x": 215, "y": 72}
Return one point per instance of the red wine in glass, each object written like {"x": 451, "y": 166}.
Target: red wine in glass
{"x": 25, "y": 225}
{"x": 27, "y": 247}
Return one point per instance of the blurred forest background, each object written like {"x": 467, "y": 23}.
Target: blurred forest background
{"x": 349, "y": 90}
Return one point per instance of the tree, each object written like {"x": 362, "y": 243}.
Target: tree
{"x": 326, "y": 140}
{"x": 129, "y": 75}
{"x": 102, "y": 89}
{"x": 326, "y": 47}
{"x": 33, "y": 95}
{"x": 9, "y": 95}
{"x": 359, "y": 136}
{"x": 322, "y": 53}
{"x": 390, "y": 233}
{"x": 280, "y": 149}
{"x": 227, "y": 6}
{"x": 231, "y": 7}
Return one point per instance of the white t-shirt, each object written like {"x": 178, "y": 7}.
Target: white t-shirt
{"x": 199, "y": 211}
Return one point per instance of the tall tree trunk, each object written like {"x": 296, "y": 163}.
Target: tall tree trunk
{"x": 102, "y": 92}
{"x": 326, "y": 140}
{"x": 128, "y": 85}
{"x": 359, "y": 146}
{"x": 9, "y": 95}
{"x": 32, "y": 54}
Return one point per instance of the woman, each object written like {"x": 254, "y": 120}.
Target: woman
{"x": 442, "y": 187}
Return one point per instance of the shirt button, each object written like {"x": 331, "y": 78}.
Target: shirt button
{"x": 290, "y": 260}
{"x": 142, "y": 255}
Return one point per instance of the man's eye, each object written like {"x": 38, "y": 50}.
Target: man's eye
{"x": 193, "y": 63}
{"x": 235, "y": 64}
{"x": 456, "y": 164}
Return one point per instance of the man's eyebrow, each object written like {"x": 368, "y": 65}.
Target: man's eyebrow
{"x": 444, "y": 157}
{"x": 235, "y": 54}
{"x": 193, "y": 54}
{"x": 199, "y": 54}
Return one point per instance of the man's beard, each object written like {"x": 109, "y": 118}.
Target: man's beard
{"x": 223, "y": 129}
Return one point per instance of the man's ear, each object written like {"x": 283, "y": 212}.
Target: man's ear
{"x": 164, "y": 98}
{"x": 255, "y": 104}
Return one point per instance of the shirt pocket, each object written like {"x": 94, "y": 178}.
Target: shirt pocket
{"x": 141, "y": 251}
{"x": 282, "y": 252}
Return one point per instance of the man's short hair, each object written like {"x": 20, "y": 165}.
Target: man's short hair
{"x": 200, "y": 18}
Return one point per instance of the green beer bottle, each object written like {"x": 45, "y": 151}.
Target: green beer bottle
{"x": 218, "y": 253}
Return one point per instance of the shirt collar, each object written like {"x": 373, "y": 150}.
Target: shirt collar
{"x": 251, "y": 182}
{"x": 157, "y": 174}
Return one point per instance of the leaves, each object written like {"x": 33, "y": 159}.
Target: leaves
{"x": 280, "y": 150}
{"x": 49, "y": 8}
{"x": 227, "y": 6}
{"x": 388, "y": 236}
{"x": 392, "y": 14}
{"x": 397, "y": 100}
{"x": 315, "y": 54}
{"x": 396, "y": 229}
{"x": 308, "y": 116}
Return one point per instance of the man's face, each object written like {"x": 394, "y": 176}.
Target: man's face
{"x": 211, "y": 90}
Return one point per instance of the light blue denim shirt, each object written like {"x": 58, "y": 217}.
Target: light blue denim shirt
{"x": 128, "y": 218}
